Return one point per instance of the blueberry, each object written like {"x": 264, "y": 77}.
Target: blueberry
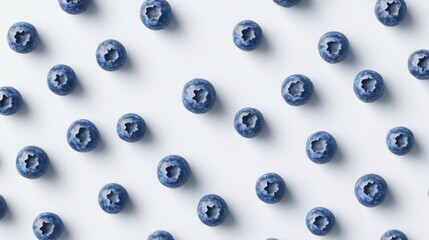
{"x": 10, "y": 101}
{"x": 287, "y": 3}
{"x": 22, "y": 37}
{"x": 74, "y": 6}
{"x": 270, "y": 188}
{"x": 400, "y": 140}
{"x": 370, "y": 190}
{"x": 32, "y": 162}
{"x": 297, "y": 90}
{"x": 418, "y": 64}
{"x": 247, "y": 35}
{"x": 390, "y": 12}
{"x": 333, "y": 47}
{"x": 131, "y": 127}
{"x": 3, "y": 207}
{"x": 368, "y": 86}
{"x": 198, "y": 95}
{"x": 320, "y": 221}
{"x": 112, "y": 198}
{"x": 212, "y": 210}
{"x": 62, "y": 80}
{"x": 249, "y": 122}
{"x": 155, "y": 14}
{"x": 111, "y": 55}
{"x": 47, "y": 226}
{"x": 83, "y": 135}
{"x": 173, "y": 171}
{"x": 160, "y": 235}
{"x": 321, "y": 147}
{"x": 394, "y": 235}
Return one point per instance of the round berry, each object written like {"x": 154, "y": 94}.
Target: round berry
{"x": 83, "y": 135}
{"x": 131, "y": 127}
{"x": 212, "y": 210}
{"x": 32, "y": 162}
{"x": 247, "y": 35}
{"x": 112, "y": 198}
{"x": 390, "y": 12}
{"x": 160, "y": 235}
{"x": 62, "y": 80}
{"x": 249, "y": 122}
{"x": 74, "y": 6}
{"x": 47, "y": 226}
{"x": 22, "y": 37}
{"x": 394, "y": 235}
{"x": 111, "y": 55}
{"x": 198, "y": 95}
{"x": 400, "y": 140}
{"x": 270, "y": 188}
{"x": 155, "y": 14}
{"x": 370, "y": 190}
{"x": 418, "y": 64}
{"x": 320, "y": 221}
{"x": 321, "y": 147}
{"x": 297, "y": 90}
{"x": 368, "y": 86}
{"x": 287, "y": 3}
{"x": 173, "y": 171}
{"x": 10, "y": 101}
{"x": 3, "y": 207}
{"x": 333, "y": 47}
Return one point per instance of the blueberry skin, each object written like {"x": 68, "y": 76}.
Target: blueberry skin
{"x": 394, "y": 234}
{"x": 390, "y": 12}
{"x": 287, "y": 3}
{"x": 173, "y": 171}
{"x": 297, "y": 90}
{"x": 131, "y": 127}
{"x": 32, "y": 162}
{"x": 212, "y": 210}
{"x": 321, "y": 147}
{"x": 22, "y": 37}
{"x": 3, "y": 207}
{"x": 247, "y": 35}
{"x": 62, "y": 79}
{"x": 113, "y": 198}
{"x": 320, "y": 221}
{"x": 270, "y": 188}
{"x": 111, "y": 55}
{"x": 333, "y": 47}
{"x": 400, "y": 140}
{"x": 249, "y": 122}
{"x": 83, "y": 135}
{"x": 160, "y": 235}
{"x": 47, "y": 226}
{"x": 368, "y": 86}
{"x": 198, "y": 95}
{"x": 418, "y": 64}
{"x": 75, "y": 6}
{"x": 10, "y": 101}
{"x": 155, "y": 14}
{"x": 370, "y": 190}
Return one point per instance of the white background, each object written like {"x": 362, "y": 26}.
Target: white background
{"x": 199, "y": 43}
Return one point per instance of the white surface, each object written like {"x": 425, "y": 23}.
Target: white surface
{"x": 199, "y": 44}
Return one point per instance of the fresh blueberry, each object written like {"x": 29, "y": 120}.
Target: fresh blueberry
{"x": 297, "y": 90}
{"x": 155, "y": 14}
{"x": 287, "y": 3}
{"x": 247, "y": 35}
{"x": 198, "y": 95}
{"x": 131, "y": 127}
{"x": 400, "y": 140}
{"x": 368, "y": 86}
{"x": 321, "y": 147}
{"x": 112, "y": 198}
{"x": 22, "y": 37}
{"x": 173, "y": 171}
{"x": 61, "y": 79}
{"x": 32, "y": 162}
{"x": 394, "y": 235}
{"x": 10, "y": 101}
{"x": 370, "y": 190}
{"x": 333, "y": 47}
{"x": 249, "y": 122}
{"x": 212, "y": 210}
{"x": 47, "y": 226}
{"x": 160, "y": 235}
{"x": 390, "y": 12}
{"x": 83, "y": 135}
{"x": 320, "y": 221}
{"x": 270, "y": 188}
{"x": 3, "y": 207}
{"x": 418, "y": 64}
{"x": 74, "y": 6}
{"x": 111, "y": 55}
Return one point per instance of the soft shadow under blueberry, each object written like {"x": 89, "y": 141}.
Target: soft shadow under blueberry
{"x": 315, "y": 101}
{"x": 128, "y": 66}
{"x": 66, "y": 233}
{"x": 174, "y": 25}
{"x": 131, "y": 208}
{"x": 416, "y": 151}
{"x": 101, "y": 146}
{"x": 230, "y": 221}
{"x": 148, "y": 137}
{"x": 266, "y": 132}
{"x": 336, "y": 231}
{"x": 92, "y": 9}
{"x": 24, "y": 110}
{"x": 351, "y": 58}
{"x": 303, "y": 5}
{"x": 219, "y": 107}
{"x": 192, "y": 183}
{"x": 288, "y": 199}
{"x": 265, "y": 46}
{"x": 41, "y": 47}
{"x": 386, "y": 98}
{"x": 9, "y": 217}
{"x": 51, "y": 173}
{"x": 339, "y": 157}
{"x": 389, "y": 201}
{"x": 408, "y": 23}
{"x": 79, "y": 91}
